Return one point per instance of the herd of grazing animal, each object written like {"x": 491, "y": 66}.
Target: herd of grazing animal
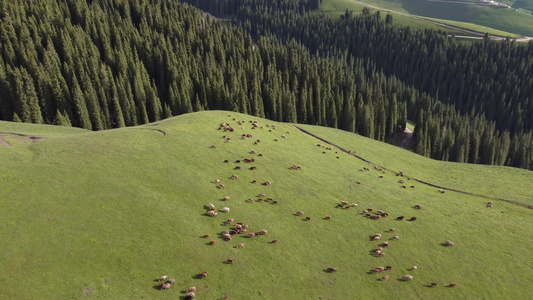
{"x": 242, "y": 229}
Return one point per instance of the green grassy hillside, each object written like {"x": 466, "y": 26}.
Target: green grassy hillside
{"x": 102, "y": 214}
{"x": 499, "y": 18}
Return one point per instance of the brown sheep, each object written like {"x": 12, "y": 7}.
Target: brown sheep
{"x": 385, "y": 244}
{"x": 226, "y": 198}
{"x": 203, "y": 274}
{"x": 205, "y": 236}
{"x": 328, "y": 218}
{"x": 274, "y": 242}
{"x": 418, "y": 206}
{"x": 222, "y": 186}
{"x": 308, "y": 218}
{"x": 331, "y": 269}
{"x": 388, "y": 267}
{"x": 385, "y": 278}
{"x": 449, "y": 243}
{"x": 241, "y": 245}
{"x": 263, "y": 232}
{"x": 212, "y": 242}
{"x": 267, "y": 183}
{"x": 452, "y": 284}
{"x": 191, "y": 289}
{"x": 230, "y": 261}
{"x": 434, "y": 284}
{"x": 164, "y": 286}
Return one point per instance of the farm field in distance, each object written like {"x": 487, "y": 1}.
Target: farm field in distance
{"x": 103, "y": 214}
{"x": 501, "y": 19}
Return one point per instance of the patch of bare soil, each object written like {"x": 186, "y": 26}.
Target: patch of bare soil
{"x": 21, "y": 137}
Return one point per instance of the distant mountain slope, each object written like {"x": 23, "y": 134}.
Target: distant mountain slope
{"x": 103, "y": 214}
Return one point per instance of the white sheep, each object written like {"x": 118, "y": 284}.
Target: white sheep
{"x": 408, "y": 277}
{"x": 225, "y": 209}
{"x": 414, "y": 268}
{"x": 212, "y": 206}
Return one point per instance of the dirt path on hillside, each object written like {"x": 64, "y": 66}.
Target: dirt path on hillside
{"x": 415, "y": 179}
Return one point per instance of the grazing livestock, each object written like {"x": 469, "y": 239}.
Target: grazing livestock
{"x": 344, "y": 203}
{"x": 263, "y": 232}
{"x": 222, "y": 186}
{"x": 230, "y": 261}
{"x": 253, "y": 168}
{"x": 251, "y": 234}
{"x": 235, "y": 176}
{"x": 414, "y": 268}
{"x": 191, "y": 289}
{"x": 171, "y": 281}
{"x": 226, "y": 198}
{"x": 441, "y": 191}
{"x": 449, "y": 243}
{"x": 400, "y": 218}
{"x": 392, "y": 230}
{"x": 331, "y": 269}
{"x": 203, "y": 274}
{"x": 212, "y": 206}
{"x": 418, "y": 206}
{"x": 328, "y": 218}
{"x": 489, "y": 204}
{"x": 267, "y": 183}
{"x": 434, "y": 284}
{"x": 385, "y": 278}
{"x": 229, "y": 221}
{"x": 212, "y": 242}
{"x": 206, "y": 236}
{"x": 395, "y": 237}
{"x": 225, "y": 209}
{"x": 452, "y": 284}
{"x": 164, "y": 286}
{"x": 375, "y": 217}
{"x": 412, "y": 219}
{"x": 241, "y": 245}
{"x": 163, "y": 278}
{"x": 217, "y": 180}
{"x": 388, "y": 267}
{"x": 308, "y": 218}
{"x": 236, "y": 168}
{"x": 254, "y": 181}
{"x": 408, "y": 277}
{"x": 401, "y": 181}
{"x": 354, "y": 204}
{"x": 274, "y": 241}
{"x": 299, "y": 213}
{"x": 211, "y": 213}
{"x": 385, "y": 244}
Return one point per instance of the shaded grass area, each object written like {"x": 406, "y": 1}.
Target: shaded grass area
{"x": 105, "y": 213}
{"x": 499, "y": 18}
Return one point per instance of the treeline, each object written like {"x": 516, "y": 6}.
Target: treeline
{"x": 111, "y": 63}
{"x": 487, "y": 85}
{"x": 108, "y": 64}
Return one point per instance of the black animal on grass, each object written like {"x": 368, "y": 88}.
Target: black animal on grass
{"x": 412, "y": 219}
{"x": 400, "y": 218}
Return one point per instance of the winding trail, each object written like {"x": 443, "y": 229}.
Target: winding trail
{"x": 412, "y": 178}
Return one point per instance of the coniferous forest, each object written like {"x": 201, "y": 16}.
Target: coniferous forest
{"x": 100, "y": 64}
